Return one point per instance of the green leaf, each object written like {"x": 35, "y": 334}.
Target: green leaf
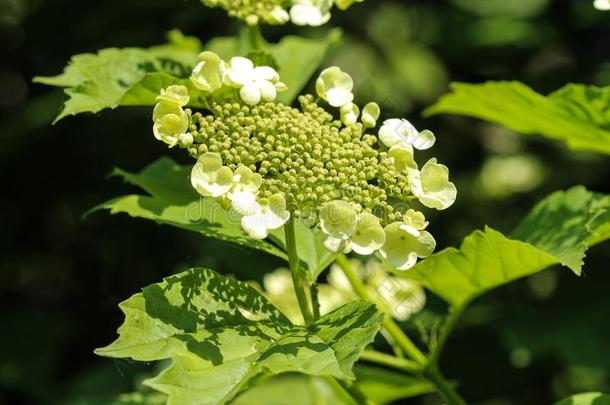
{"x": 222, "y": 333}
{"x": 129, "y": 76}
{"x": 576, "y": 114}
{"x": 384, "y": 386}
{"x": 588, "y": 398}
{"x": 172, "y": 201}
{"x": 558, "y": 230}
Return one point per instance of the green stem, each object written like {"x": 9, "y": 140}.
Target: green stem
{"x": 256, "y": 37}
{"x": 297, "y": 279}
{"x": 390, "y": 326}
{"x": 444, "y": 387}
{"x": 390, "y": 361}
{"x": 315, "y": 302}
{"x": 448, "y": 326}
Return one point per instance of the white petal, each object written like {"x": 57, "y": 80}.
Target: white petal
{"x": 266, "y": 73}
{"x": 250, "y": 93}
{"x": 267, "y": 90}
{"x": 337, "y": 245}
{"x": 254, "y": 226}
{"x": 244, "y": 202}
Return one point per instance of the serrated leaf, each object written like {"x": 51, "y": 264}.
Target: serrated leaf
{"x": 587, "y": 398}
{"x": 129, "y": 76}
{"x": 172, "y": 201}
{"x": 576, "y": 114}
{"x": 134, "y": 76}
{"x": 222, "y": 333}
{"x": 558, "y": 230}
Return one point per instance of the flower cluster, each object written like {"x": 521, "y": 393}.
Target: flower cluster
{"x": 398, "y": 297}
{"x": 300, "y": 12}
{"x": 269, "y": 161}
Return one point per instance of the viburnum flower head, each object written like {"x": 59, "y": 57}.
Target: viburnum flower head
{"x": 270, "y": 162}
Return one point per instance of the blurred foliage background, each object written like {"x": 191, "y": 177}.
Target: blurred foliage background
{"x": 62, "y": 276}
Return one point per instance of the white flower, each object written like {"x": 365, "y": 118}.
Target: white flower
{"x": 255, "y": 83}
{"x": 370, "y": 114}
{"x": 245, "y": 187}
{"x": 207, "y": 75}
{"x": 310, "y": 12}
{"x": 175, "y": 94}
{"x": 404, "y": 244}
{"x": 400, "y": 131}
{"x": 265, "y": 215}
{"x": 338, "y": 220}
{"x": 335, "y": 86}
{"x": 431, "y": 185}
{"x": 209, "y": 177}
{"x": 402, "y": 154}
{"x": 278, "y": 16}
{"x": 346, "y": 229}
{"x": 171, "y": 124}
{"x": 368, "y": 236}
{"x": 603, "y": 5}
{"x": 349, "y": 113}
{"x": 345, "y": 4}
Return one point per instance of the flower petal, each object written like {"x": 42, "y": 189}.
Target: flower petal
{"x": 250, "y": 93}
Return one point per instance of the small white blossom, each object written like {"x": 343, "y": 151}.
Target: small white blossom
{"x": 338, "y": 221}
{"x": 209, "y": 177}
{"x": 255, "y": 83}
{"x": 370, "y": 115}
{"x": 266, "y": 215}
{"x": 368, "y": 235}
{"x": 279, "y": 16}
{"x": 335, "y": 86}
{"x": 349, "y": 113}
{"x": 402, "y": 154}
{"x": 175, "y": 94}
{"x": 603, "y": 5}
{"x": 310, "y": 12}
{"x": 431, "y": 185}
{"x": 400, "y": 131}
{"x": 208, "y": 73}
{"x": 171, "y": 124}
{"x": 404, "y": 244}
{"x": 245, "y": 187}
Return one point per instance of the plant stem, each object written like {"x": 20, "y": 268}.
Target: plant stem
{"x": 297, "y": 279}
{"x": 315, "y": 302}
{"x": 390, "y": 326}
{"x": 256, "y": 37}
{"x": 390, "y": 361}
{"x": 443, "y": 386}
{"x": 448, "y": 326}
{"x": 426, "y": 367}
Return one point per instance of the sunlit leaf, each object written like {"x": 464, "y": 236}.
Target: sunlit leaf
{"x": 383, "y": 386}
{"x": 221, "y": 333}
{"x": 558, "y": 230}
{"x": 129, "y": 76}
{"x": 576, "y": 114}
{"x": 172, "y": 201}
{"x": 588, "y": 398}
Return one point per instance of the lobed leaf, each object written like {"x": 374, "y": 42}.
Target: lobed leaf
{"x": 134, "y": 76}
{"x": 558, "y": 230}
{"x": 576, "y": 114}
{"x": 222, "y": 333}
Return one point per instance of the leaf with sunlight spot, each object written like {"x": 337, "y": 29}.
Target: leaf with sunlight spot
{"x": 222, "y": 333}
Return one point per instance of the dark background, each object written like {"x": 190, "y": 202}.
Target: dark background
{"x": 61, "y": 277}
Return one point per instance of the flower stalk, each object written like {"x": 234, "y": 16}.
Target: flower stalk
{"x": 295, "y": 271}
